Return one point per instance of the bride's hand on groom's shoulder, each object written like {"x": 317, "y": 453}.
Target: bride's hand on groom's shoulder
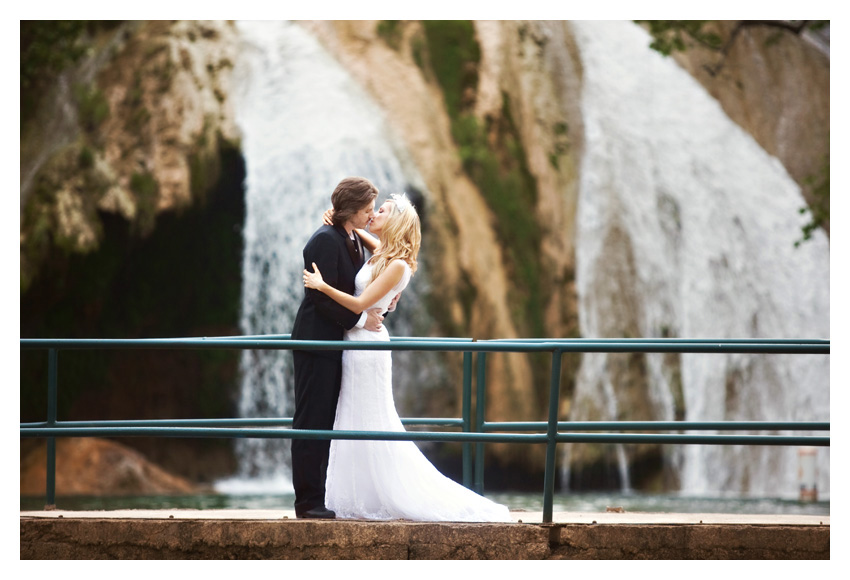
{"x": 327, "y": 217}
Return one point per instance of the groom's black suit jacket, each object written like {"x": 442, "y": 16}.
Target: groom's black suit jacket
{"x": 319, "y": 317}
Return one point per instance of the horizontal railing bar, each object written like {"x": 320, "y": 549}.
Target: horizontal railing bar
{"x": 681, "y": 439}
{"x": 244, "y": 433}
{"x": 661, "y": 426}
{"x": 234, "y": 337}
{"x": 224, "y": 432}
{"x": 486, "y": 346}
{"x": 818, "y": 341}
{"x": 433, "y": 338}
{"x": 289, "y": 337}
{"x": 488, "y": 426}
{"x": 240, "y": 422}
{"x": 669, "y": 340}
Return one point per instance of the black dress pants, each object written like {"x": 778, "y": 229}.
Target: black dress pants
{"x": 317, "y": 381}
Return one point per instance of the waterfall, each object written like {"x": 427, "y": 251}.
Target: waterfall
{"x": 686, "y": 228}
{"x": 305, "y": 125}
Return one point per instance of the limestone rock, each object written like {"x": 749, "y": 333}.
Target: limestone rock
{"x": 161, "y": 92}
{"x": 776, "y": 87}
{"x": 91, "y": 466}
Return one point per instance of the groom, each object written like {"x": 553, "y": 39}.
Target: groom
{"x": 338, "y": 252}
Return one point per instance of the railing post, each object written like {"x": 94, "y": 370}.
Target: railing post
{"x": 480, "y": 404}
{"x": 52, "y": 374}
{"x": 467, "y": 418}
{"x": 551, "y": 434}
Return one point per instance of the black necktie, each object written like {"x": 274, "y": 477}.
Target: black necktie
{"x": 353, "y": 250}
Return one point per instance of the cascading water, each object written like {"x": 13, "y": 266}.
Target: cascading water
{"x": 305, "y": 125}
{"x": 686, "y": 227}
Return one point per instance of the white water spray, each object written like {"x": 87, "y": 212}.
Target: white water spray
{"x": 687, "y": 226}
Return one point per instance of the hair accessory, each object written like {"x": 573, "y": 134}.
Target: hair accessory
{"x": 401, "y": 201}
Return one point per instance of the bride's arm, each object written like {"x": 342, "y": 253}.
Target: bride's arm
{"x": 373, "y": 292}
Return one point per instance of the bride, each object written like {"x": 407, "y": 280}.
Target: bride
{"x": 383, "y": 480}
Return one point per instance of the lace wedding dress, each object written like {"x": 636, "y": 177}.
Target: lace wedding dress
{"x": 384, "y": 480}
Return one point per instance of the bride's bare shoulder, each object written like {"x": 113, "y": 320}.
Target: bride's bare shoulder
{"x": 395, "y": 270}
{"x": 399, "y": 264}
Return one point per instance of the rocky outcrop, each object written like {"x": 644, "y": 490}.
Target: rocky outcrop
{"x": 89, "y": 466}
{"x": 133, "y": 130}
{"x": 131, "y": 215}
{"x": 775, "y": 85}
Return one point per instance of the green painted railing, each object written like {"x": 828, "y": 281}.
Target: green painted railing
{"x": 477, "y": 432}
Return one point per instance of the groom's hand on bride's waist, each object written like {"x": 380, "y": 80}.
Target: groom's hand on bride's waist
{"x": 374, "y": 320}
{"x": 391, "y": 307}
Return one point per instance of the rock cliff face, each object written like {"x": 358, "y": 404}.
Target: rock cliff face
{"x": 134, "y": 130}
{"x": 776, "y": 87}
{"x": 131, "y": 215}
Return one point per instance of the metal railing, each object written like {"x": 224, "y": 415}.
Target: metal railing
{"x": 475, "y": 431}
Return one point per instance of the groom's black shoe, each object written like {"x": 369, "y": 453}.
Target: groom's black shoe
{"x": 317, "y": 513}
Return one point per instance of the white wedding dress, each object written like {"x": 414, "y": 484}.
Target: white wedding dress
{"x": 384, "y": 480}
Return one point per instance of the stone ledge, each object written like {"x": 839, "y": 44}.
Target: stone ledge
{"x": 135, "y": 538}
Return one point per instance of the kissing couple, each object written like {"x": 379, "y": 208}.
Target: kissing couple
{"x": 346, "y": 298}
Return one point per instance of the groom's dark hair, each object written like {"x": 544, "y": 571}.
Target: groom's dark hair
{"x": 350, "y": 196}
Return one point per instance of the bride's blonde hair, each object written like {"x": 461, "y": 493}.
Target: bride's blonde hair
{"x": 400, "y": 236}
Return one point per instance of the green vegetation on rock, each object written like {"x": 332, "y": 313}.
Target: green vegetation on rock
{"x": 144, "y": 185}
{"x": 390, "y": 31}
{"x": 454, "y": 58}
{"x": 818, "y": 209}
{"x": 47, "y": 48}
{"x": 92, "y": 106}
{"x": 493, "y": 156}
